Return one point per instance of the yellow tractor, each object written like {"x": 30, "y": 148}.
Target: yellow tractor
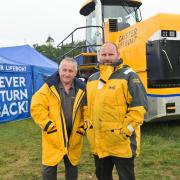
{"x": 150, "y": 47}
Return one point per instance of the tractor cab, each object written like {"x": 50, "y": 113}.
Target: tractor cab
{"x": 116, "y": 14}
{"x": 103, "y": 17}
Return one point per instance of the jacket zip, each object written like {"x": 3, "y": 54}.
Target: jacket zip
{"x": 80, "y": 99}
{"x": 64, "y": 137}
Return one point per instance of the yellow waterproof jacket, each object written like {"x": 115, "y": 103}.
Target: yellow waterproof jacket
{"x": 47, "y": 112}
{"x": 117, "y": 103}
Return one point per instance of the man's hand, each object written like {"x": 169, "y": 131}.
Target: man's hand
{"x": 128, "y": 130}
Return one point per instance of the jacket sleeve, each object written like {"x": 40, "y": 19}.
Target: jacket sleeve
{"x": 40, "y": 109}
{"x": 137, "y": 104}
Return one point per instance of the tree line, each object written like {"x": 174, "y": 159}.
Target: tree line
{"x": 57, "y": 53}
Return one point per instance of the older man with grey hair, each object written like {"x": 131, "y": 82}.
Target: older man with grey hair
{"x": 58, "y": 107}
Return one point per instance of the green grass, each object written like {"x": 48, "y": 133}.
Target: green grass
{"x": 160, "y": 152}
{"x": 20, "y": 153}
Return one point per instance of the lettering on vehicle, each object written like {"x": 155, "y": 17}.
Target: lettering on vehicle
{"x": 128, "y": 38}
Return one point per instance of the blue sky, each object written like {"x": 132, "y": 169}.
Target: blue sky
{"x": 32, "y": 21}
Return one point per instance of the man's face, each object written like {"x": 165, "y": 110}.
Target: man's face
{"x": 67, "y": 72}
{"x": 108, "y": 54}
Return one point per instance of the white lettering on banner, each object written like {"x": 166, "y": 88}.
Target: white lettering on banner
{"x": 13, "y": 95}
{"x": 22, "y": 81}
{"x": 4, "y": 111}
{"x": 11, "y": 107}
{"x": 2, "y": 85}
{"x": 12, "y": 81}
{"x": 1, "y": 68}
{"x": 15, "y": 68}
{"x": 14, "y": 108}
{"x": 2, "y": 95}
{"x": 23, "y": 107}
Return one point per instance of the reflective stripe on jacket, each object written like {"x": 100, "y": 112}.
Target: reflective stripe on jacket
{"x": 116, "y": 100}
{"x": 47, "y": 112}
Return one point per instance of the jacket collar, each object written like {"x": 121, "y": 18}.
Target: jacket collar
{"x": 107, "y": 70}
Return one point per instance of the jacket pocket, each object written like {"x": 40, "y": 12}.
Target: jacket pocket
{"x": 114, "y": 139}
{"x": 111, "y": 134}
{"x": 53, "y": 138}
{"x": 76, "y": 141}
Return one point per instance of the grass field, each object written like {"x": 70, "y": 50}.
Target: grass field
{"x": 20, "y": 153}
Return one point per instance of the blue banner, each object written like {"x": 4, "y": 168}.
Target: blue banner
{"x": 15, "y": 92}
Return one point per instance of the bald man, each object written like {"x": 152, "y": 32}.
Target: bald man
{"x": 117, "y": 104}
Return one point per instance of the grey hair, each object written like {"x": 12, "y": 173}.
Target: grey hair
{"x": 68, "y": 59}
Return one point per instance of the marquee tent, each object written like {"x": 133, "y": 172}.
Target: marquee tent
{"x": 22, "y": 72}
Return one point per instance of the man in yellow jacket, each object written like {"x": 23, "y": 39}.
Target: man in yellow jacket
{"x": 117, "y": 103}
{"x": 58, "y": 108}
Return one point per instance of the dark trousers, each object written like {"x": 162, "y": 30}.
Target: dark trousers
{"x": 50, "y": 172}
{"x": 124, "y": 167}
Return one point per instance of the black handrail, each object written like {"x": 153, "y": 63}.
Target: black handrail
{"x": 61, "y": 44}
{"x": 83, "y": 27}
{"x": 77, "y": 47}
